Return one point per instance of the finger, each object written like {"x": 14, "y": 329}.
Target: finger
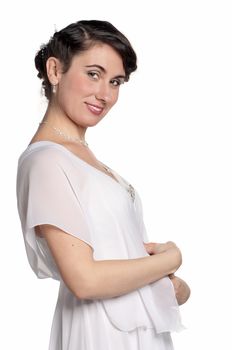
{"x": 150, "y": 248}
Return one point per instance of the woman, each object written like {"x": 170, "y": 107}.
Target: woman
{"x": 82, "y": 222}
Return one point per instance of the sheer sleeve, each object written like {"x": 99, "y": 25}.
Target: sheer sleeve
{"x": 46, "y": 195}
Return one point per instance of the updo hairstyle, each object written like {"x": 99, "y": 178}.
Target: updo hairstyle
{"x": 78, "y": 37}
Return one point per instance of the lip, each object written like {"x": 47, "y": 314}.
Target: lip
{"x": 95, "y": 109}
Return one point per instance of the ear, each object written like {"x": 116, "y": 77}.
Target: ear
{"x": 54, "y": 70}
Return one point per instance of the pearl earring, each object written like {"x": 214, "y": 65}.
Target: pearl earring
{"x": 53, "y": 89}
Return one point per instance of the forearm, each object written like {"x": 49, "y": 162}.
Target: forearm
{"x": 112, "y": 278}
{"x": 88, "y": 278}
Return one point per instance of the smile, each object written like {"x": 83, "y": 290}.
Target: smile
{"x": 94, "y": 109}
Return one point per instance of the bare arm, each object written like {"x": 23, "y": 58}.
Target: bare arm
{"x": 98, "y": 279}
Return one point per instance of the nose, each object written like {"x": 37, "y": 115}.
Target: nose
{"x": 103, "y": 92}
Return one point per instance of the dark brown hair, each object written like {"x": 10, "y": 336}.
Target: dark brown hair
{"x": 78, "y": 37}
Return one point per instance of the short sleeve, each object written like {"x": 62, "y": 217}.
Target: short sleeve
{"x": 46, "y": 195}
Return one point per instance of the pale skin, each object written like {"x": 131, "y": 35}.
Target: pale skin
{"x": 182, "y": 290}
{"x": 83, "y": 97}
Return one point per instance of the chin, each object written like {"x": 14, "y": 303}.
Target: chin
{"x": 96, "y": 123}
{"x": 94, "y": 120}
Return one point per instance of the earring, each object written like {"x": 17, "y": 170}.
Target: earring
{"x": 53, "y": 89}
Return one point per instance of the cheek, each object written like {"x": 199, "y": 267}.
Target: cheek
{"x": 114, "y": 97}
{"x": 75, "y": 86}
{"x": 71, "y": 94}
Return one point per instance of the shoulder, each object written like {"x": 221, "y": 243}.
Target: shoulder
{"x": 44, "y": 153}
{"x": 45, "y": 160}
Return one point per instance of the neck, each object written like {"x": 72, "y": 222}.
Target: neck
{"x": 58, "y": 119}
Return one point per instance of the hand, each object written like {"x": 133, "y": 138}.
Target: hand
{"x": 169, "y": 248}
{"x": 150, "y": 247}
{"x": 181, "y": 288}
{"x": 156, "y": 248}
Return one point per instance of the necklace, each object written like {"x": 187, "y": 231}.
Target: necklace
{"x": 67, "y": 137}
{"x": 130, "y": 189}
{"x": 106, "y": 168}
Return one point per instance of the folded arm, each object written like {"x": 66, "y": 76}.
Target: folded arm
{"x": 88, "y": 278}
{"x": 181, "y": 288}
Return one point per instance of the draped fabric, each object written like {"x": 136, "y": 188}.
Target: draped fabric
{"x": 56, "y": 187}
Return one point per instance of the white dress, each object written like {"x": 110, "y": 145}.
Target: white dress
{"x": 56, "y": 187}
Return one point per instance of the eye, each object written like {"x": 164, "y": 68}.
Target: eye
{"x": 117, "y": 82}
{"x": 93, "y": 75}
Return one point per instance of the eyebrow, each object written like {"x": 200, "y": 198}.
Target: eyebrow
{"x": 104, "y": 71}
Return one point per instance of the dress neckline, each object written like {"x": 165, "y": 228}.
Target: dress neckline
{"x": 117, "y": 179}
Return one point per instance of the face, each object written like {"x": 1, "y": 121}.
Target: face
{"x": 90, "y": 88}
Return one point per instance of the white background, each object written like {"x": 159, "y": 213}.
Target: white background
{"x": 169, "y": 135}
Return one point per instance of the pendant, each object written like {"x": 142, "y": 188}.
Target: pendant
{"x": 131, "y": 191}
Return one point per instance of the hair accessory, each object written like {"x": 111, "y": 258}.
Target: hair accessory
{"x": 43, "y": 49}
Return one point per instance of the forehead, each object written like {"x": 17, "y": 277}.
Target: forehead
{"x": 100, "y": 54}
